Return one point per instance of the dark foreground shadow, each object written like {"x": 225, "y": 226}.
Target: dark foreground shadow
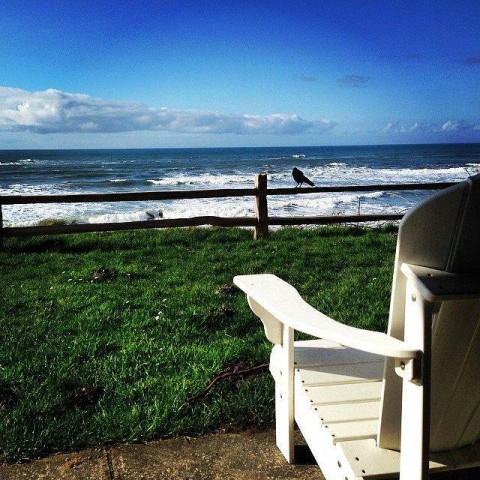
{"x": 303, "y": 456}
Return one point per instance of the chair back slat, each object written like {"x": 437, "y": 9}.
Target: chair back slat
{"x": 455, "y": 393}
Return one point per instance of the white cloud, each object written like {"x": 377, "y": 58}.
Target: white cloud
{"x": 450, "y": 126}
{"x": 53, "y": 111}
{"x": 396, "y": 128}
{"x": 389, "y": 126}
{"x": 457, "y": 126}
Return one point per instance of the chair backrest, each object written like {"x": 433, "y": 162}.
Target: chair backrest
{"x": 443, "y": 233}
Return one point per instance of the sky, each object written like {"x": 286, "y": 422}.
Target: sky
{"x": 134, "y": 74}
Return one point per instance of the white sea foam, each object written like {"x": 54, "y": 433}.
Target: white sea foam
{"x": 203, "y": 180}
{"x": 474, "y": 166}
{"x": 19, "y": 162}
{"x": 343, "y": 174}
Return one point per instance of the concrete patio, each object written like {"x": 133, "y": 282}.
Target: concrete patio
{"x": 246, "y": 455}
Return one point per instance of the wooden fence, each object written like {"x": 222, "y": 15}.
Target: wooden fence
{"x": 261, "y": 221}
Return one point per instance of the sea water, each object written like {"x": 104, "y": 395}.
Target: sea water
{"x": 38, "y": 172}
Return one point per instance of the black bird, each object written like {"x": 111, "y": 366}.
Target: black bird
{"x": 300, "y": 178}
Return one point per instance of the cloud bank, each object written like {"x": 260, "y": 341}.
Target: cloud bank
{"x": 53, "y": 111}
{"x": 449, "y": 126}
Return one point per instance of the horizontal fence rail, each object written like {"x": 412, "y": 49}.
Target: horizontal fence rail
{"x": 137, "y": 225}
{"x": 218, "y": 193}
{"x": 360, "y": 188}
{"x": 260, "y": 222}
{"x": 126, "y": 197}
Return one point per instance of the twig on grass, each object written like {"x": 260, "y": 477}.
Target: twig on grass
{"x": 229, "y": 372}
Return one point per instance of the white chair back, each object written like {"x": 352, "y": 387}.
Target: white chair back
{"x": 441, "y": 233}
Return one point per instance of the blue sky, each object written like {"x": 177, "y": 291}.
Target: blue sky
{"x": 238, "y": 73}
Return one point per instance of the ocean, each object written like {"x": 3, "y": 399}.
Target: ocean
{"x": 29, "y": 172}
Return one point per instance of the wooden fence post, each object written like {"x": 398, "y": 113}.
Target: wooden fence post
{"x": 261, "y": 207}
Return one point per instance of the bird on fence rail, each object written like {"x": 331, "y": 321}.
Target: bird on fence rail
{"x": 300, "y": 178}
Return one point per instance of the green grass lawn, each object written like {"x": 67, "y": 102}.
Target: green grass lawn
{"x": 87, "y": 361}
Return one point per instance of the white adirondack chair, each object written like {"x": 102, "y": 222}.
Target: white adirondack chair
{"x": 352, "y": 392}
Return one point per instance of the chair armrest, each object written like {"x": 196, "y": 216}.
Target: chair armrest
{"x": 438, "y": 285}
{"x": 280, "y": 302}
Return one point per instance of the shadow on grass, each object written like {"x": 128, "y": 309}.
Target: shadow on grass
{"x": 121, "y": 241}
{"x": 79, "y": 243}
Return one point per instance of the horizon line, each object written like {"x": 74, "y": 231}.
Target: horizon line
{"x": 247, "y": 147}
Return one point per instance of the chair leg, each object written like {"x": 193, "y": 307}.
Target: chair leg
{"x": 414, "y": 445}
{"x": 284, "y": 398}
{"x": 415, "y": 437}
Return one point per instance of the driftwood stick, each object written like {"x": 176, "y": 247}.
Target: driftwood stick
{"x": 223, "y": 375}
